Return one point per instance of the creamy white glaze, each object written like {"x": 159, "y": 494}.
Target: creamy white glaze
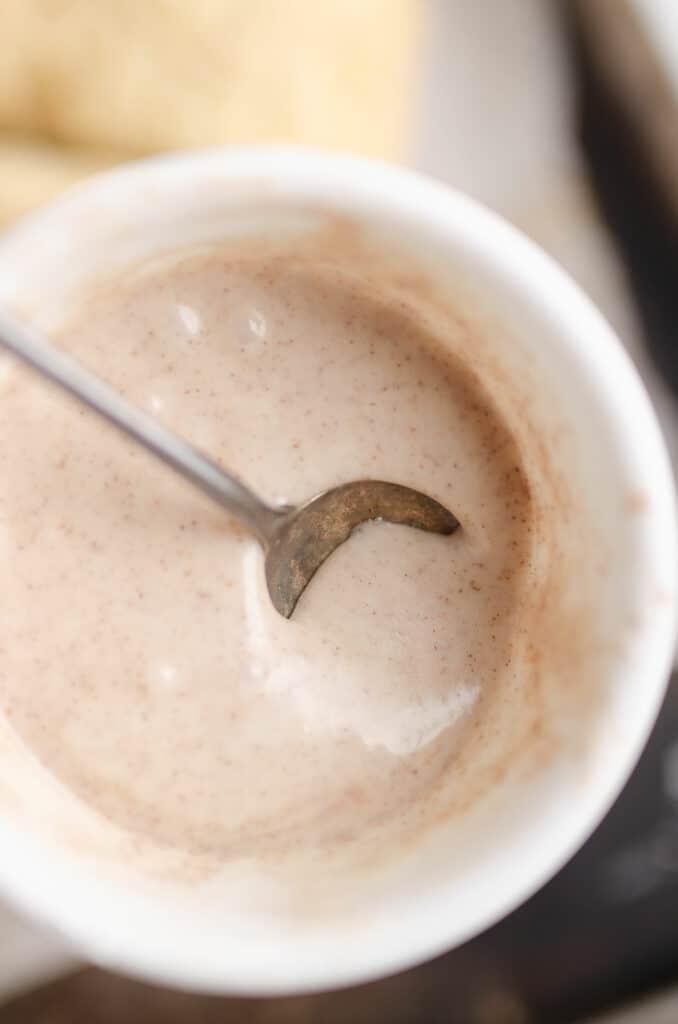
{"x": 141, "y": 659}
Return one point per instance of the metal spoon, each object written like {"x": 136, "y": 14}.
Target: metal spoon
{"x": 296, "y": 540}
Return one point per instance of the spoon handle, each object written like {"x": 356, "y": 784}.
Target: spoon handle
{"x": 60, "y": 369}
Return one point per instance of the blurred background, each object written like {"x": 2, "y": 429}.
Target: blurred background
{"x": 563, "y": 116}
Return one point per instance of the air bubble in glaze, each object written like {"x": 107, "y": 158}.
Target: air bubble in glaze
{"x": 250, "y": 329}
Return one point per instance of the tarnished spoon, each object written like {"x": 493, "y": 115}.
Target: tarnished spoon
{"x": 296, "y": 540}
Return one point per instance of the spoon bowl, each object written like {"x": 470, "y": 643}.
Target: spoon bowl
{"x": 308, "y": 534}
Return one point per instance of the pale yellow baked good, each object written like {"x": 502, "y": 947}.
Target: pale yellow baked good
{"x": 136, "y": 76}
{"x": 33, "y": 171}
{"x": 146, "y": 75}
